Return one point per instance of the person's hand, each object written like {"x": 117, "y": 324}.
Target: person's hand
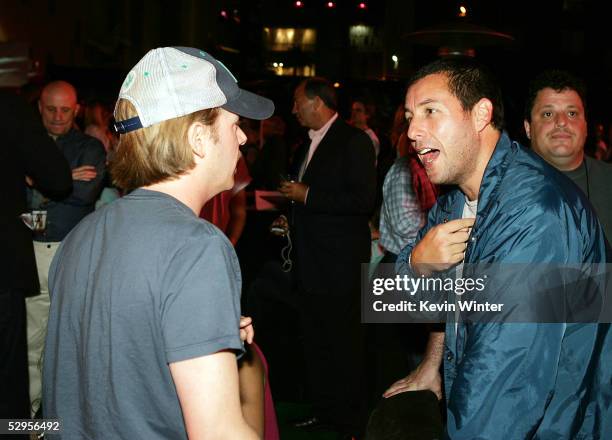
{"x": 84, "y": 173}
{"x": 29, "y": 181}
{"x": 442, "y": 247}
{"x": 280, "y": 226}
{"x": 425, "y": 377}
{"x": 295, "y": 191}
{"x": 247, "y": 332}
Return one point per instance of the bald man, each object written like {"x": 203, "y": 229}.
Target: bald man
{"x": 58, "y": 107}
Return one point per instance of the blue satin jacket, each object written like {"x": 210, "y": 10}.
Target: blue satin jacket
{"x": 526, "y": 380}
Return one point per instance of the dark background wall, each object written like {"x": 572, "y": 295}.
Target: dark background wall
{"x": 94, "y": 43}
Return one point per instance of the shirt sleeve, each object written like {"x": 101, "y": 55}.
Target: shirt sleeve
{"x": 200, "y": 306}
{"x": 402, "y": 265}
{"x": 401, "y": 211}
{"x": 86, "y": 193}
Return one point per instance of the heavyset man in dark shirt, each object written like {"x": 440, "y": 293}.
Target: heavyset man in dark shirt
{"x": 555, "y": 122}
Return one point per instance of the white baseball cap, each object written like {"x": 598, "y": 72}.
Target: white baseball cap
{"x": 170, "y": 82}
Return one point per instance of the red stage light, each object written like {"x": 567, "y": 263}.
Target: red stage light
{"x": 298, "y": 4}
{"x": 362, "y": 5}
{"x": 331, "y": 5}
{"x": 224, "y": 13}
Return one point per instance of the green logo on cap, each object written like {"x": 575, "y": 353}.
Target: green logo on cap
{"x": 129, "y": 80}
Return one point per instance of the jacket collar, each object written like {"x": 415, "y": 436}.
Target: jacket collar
{"x": 452, "y": 205}
{"x": 320, "y": 133}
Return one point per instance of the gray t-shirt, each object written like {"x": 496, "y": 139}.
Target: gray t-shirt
{"x": 139, "y": 284}
{"x": 470, "y": 209}
{"x": 596, "y": 182}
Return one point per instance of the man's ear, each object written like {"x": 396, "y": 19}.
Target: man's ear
{"x": 482, "y": 113}
{"x": 197, "y": 138}
{"x": 77, "y": 107}
{"x": 527, "y": 128}
{"x": 40, "y": 107}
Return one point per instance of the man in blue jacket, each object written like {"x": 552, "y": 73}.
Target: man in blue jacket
{"x": 504, "y": 380}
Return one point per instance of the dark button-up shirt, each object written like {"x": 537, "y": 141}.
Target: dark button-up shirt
{"x": 79, "y": 149}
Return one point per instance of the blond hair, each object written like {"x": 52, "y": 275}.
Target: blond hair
{"x": 156, "y": 153}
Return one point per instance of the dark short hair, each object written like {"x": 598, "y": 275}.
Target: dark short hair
{"x": 469, "y": 81}
{"x": 323, "y": 89}
{"x": 558, "y": 80}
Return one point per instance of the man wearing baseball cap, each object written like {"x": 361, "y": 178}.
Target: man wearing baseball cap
{"x": 145, "y": 322}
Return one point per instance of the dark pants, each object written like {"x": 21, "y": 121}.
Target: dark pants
{"x": 334, "y": 354}
{"x": 14, "y": 397}
{"x": 394, "y": 349}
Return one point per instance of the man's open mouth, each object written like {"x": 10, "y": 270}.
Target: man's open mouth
{"x": 428, "y": 155}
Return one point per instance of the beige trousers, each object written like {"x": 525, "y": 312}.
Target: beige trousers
{"x": 37, "y": 312}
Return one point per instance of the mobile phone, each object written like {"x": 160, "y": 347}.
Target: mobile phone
{"x": 287, "y": 177}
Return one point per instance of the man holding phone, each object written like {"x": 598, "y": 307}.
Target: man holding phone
{"x": 334, "y": 196}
